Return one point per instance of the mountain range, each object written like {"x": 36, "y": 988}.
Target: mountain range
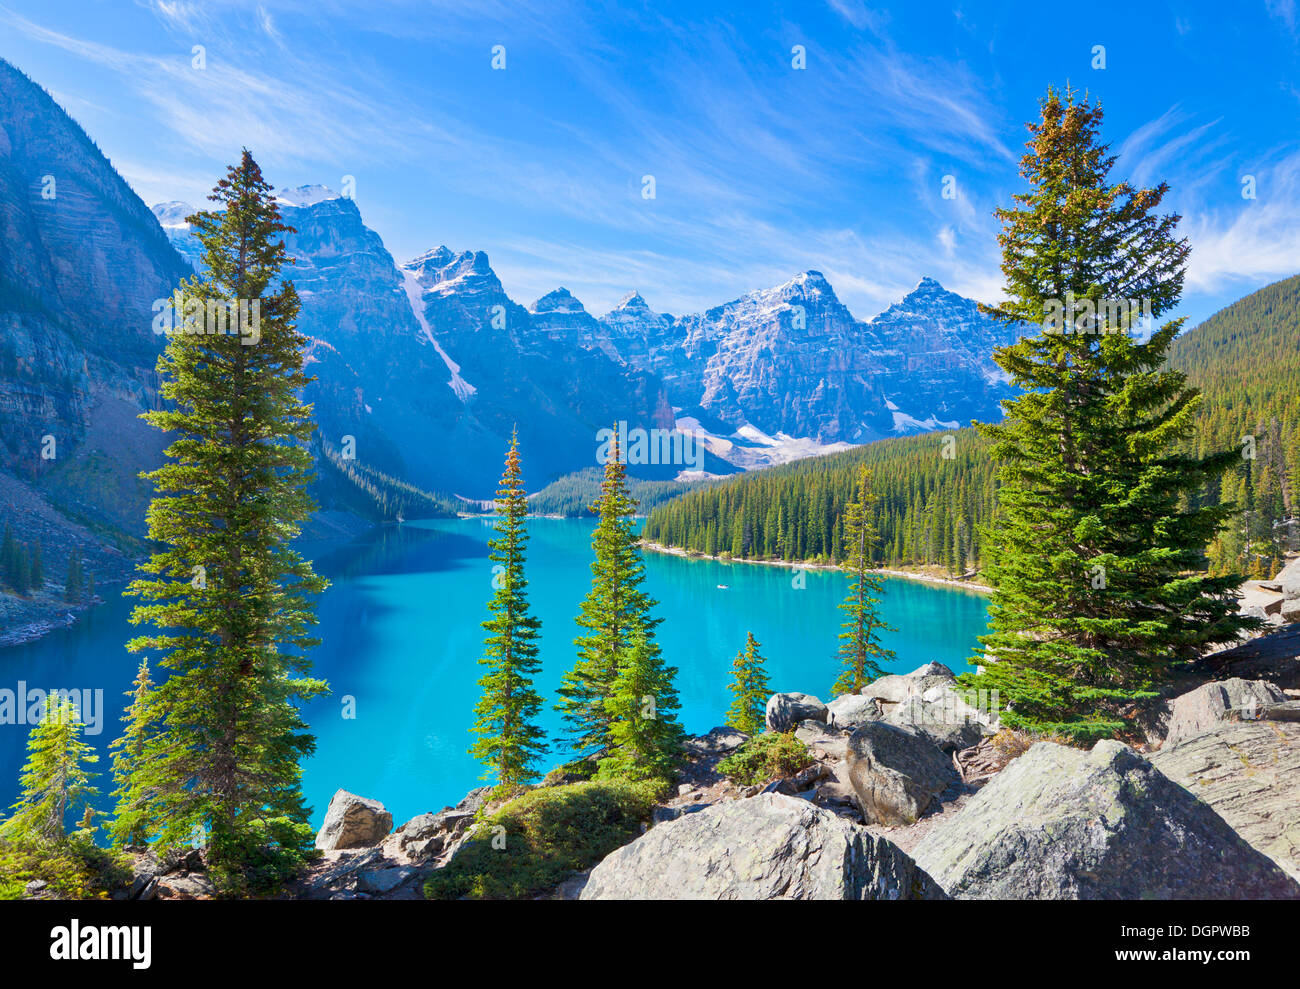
{"x": 424, "y": 367}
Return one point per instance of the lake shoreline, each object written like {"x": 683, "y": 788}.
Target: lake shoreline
{"x": 952, "y": 582}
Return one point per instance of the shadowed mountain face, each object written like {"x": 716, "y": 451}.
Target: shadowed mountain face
{"x": 81, "y": 262}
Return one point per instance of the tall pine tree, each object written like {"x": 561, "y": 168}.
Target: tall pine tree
{"x": 1096, "y": 556}
{"x": 230, "y": 599}
{"x": 751, "y": 690}
{"x": 509, "y": 740}
{"x": 861, "y": 651}
{"x": 612, "y": 614}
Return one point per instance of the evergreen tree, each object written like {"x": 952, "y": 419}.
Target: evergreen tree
{"x": 1096, "y": 552}
{"x": 8, "y": 557}
{"x": 131, "y": 824}
{"x": 613, "y": 613}
{"x": 37, "y": 568}
{"x": 645, "y": 738}
{"x": 229, "y": 597}
{"x": 54, "y": 779}
{"x": 509, "y": 740}
{"x": 22, "y": 578}
{"x": 749, "y": 684}
{"x": 73, "y": 582}
{"x": 90, "y": 587}
{"x": 861, "y": 651}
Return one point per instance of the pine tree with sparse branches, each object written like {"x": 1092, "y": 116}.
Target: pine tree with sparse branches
{"x": 509, "y": 741}
{"x": 861, "y": 649}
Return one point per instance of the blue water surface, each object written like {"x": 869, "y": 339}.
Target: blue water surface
{"x": 401, "y": 641}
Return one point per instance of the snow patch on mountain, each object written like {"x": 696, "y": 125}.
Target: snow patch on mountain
{"x": 305, "y": 195}
{"x": 904, "y": 423}
{"x": 750, "y": 448}
{"x": 415, "y": 294}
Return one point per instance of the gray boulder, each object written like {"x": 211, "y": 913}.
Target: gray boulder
{"x": 353, "y": 822}
{"x": 1063, "y": 824}
{"x": 898, "y": 687}
{"x": 892, "y": 689}
{"x": 785, "y": 711}
{"x": 191, "y": 886}
{"x": 1224, "y": 700}
{"x": 944, "y": 720}
{"x": 767, "y": 847}
{"x": 1249, "y": 772}
{"x": 851, "y": 710}
{"x": 1289, "y": 579}
{"x": 896, "y": 773}
{"x": 717, "y": 742}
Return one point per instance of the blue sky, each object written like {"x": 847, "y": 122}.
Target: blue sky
{"x": 761, "y": 170}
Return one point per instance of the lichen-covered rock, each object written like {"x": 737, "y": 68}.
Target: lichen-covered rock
{"x": 1061, "y": 824}
{"x": 851, "y": 710}
{"x": 899, "y": 687}
{"x": 719, "y": 741}
{"x": 896, "y": 773}
{"x": 946, "y": 720}
{"x": 1249, "y": 772}
{"x": 353, "y": 822}
{"x": 785, "y": 711}
{"x": 766, "y": 847}
{"x": 1223, "y": 700}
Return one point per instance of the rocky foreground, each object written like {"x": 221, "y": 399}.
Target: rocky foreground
{"x": 911, "y": 793}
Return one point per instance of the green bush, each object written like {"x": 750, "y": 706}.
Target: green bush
{"x": 769, "y": 756}
{"x": 75, "y": 869}
{"x": 548, "y": 834}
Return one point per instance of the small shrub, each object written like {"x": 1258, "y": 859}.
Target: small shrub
{"x": 76, "y": 869}
{"x": 535, "y": 842}
{"x": 766, "y": 757}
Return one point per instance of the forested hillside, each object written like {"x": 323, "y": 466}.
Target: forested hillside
{"x": 573, "y": 495}
{"x": 934, "y": 491}
{"x": 1245, "y": 359}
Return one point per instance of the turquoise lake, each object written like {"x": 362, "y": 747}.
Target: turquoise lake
{"x": 401, "y": 637}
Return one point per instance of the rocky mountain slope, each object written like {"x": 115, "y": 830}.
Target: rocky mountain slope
{"x": 81, "y": 262}
{"x": 793, "y": 361}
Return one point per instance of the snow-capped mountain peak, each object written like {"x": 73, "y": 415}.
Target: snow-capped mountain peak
{"x": 559, "y": 301}
{"x": 171, "y": 215}
{"x": 305, "y": 195}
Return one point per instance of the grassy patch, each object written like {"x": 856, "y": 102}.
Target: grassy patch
{"x": 535, "y": 842}
{"x": 765, "y": 757}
